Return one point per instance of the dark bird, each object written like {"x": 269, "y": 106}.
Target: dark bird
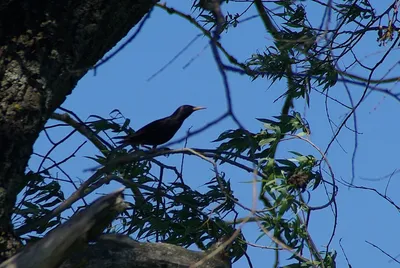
{"x": 159, "y": 131}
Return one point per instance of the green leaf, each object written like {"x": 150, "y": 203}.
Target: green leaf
{"x": 30, "y": 205}
{"x": 317, "y": 180}
{"x": 266, "y": 141}
{"x": 287, "y": 162}
{"x": 285, "y": 205}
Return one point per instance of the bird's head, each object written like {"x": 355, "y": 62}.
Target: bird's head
{"x": 185, "y": 111}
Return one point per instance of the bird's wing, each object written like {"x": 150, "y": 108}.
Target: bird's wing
{"x": 144, "y": 133}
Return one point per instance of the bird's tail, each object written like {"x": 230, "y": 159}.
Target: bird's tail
{"x": 122, "y": 139}
{"x": 122, "y": 142}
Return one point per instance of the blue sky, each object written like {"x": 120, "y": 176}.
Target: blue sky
{"x": 122, "y": 84}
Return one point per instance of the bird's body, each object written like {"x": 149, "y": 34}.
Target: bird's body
{"x": 161, "y": 130}
{"x": 154, "y": 133}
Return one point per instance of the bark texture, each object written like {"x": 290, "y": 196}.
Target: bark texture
{"x": 123, "y": 252}
{"x": 45, "y": 48}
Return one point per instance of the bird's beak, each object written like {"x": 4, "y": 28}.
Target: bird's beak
{"x": 198, "y": 108}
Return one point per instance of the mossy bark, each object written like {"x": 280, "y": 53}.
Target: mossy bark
{"x": 45, "y": 48}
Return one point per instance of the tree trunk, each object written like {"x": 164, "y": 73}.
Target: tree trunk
{"x": 45, "y": 48}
